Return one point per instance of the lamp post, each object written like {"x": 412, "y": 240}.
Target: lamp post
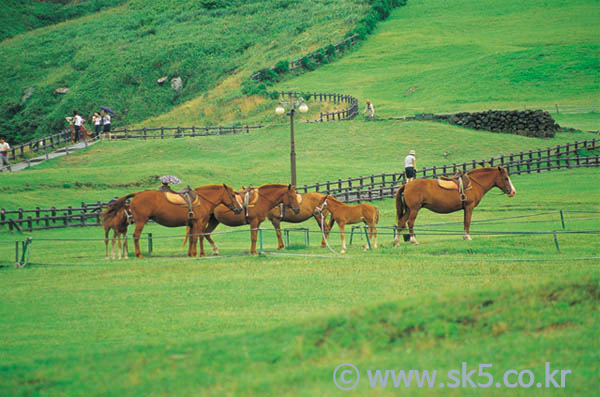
{"x": 293, "y": 104}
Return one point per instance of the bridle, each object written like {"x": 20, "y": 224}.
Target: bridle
{"x": 323, "y": 204}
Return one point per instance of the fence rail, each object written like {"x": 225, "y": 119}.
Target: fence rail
{"x": 345, "y": 114}
{"x": 379, "y": 186}
{"x": 40, "y": 145}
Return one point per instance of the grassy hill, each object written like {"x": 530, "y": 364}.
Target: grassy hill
{"x": 20, "y": 16}
{"x": 114, "y": 57}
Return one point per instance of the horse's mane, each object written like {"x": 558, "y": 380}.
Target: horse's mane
{"x": 215, "y": 186}
{"x": 481, "y": 169}
{"x": 275, "y": 185}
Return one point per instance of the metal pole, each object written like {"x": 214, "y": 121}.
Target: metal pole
{"x": 556, "y": 242}
{"x": 260, "y": 239}
{"x": 149, "y": 244}
{"x": 562, "y": 219}
{"x": 293, "y": 145}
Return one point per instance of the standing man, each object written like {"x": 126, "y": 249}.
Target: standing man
{"x": 77, "y": 123}
{"x": 369, "y": 109}
{"x": 410, "y": 166}
{"x": 106, "y": 124}
{"x": 4, "y": 148}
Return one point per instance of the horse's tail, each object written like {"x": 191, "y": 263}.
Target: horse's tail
{"x": 376, "y": 215}
{"x": 187, "y": 232}
{"x": 113, "y": 208}
{"x": 401, "y": 207}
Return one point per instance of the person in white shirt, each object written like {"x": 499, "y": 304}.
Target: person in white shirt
{"x": 77, "y": 123}
{"x": 4, "y": 148}
{"x": 106, "y": 122}
{"x": 410, "y": 166}
{"x": 369, "y": 109}
{"x": 97, "y": 120}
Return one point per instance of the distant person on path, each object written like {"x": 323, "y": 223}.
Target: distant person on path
{"x": 97, "y": 120}
{"x": 369, "y": 108}
{"x": 77, "y": 123}
{"x": 106, "y": 123}
{"x": 410, "y": 166}
{"x": 4, "y": 148}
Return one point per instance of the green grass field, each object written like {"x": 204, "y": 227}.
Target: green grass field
{"x": 278, "y": 324}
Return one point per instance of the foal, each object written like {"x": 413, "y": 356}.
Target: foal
{"x": 345, "y": 214}
{"x": 117, "y": 218}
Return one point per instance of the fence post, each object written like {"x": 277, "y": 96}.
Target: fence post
{"x": 556, "y": 241}
{"x": 149, "y": 244}
{"x": 562, "y": 219}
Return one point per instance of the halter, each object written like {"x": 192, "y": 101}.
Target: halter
{"x": 323, "y": 205}
{"x": 130, "y": 220}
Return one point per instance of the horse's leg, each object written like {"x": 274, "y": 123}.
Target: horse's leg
{"x": 113, "y": 241}
{"x": 342, "y": 226}
{"x": 325, "y": 227}
{"x": 201, "y": 231}
{"x": 193, "y": 235}
{"x": 277, "y": 225}
{"x": 106, "y": 231}
{"x": 125, "y": 254}
{"x": 468, "y": 212}
{"x": 212, "y": 224}
{"x": 120, "y": 248}
{"x": 401, "y": 227}
{"x": 373, "y": 234}
{"x": 253, "y": 234}
{"x": 139, "y": 226}
{"x": 411, "y": 223}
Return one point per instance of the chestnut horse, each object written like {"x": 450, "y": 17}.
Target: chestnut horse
{"x": 152, "y": 204}
{"x": 308, "y": 203}
{"x": 268, "y": 196}
{"x": 117, "y": 217}
{"x": 426, "y": 193}
{"x": 345, "y": 214}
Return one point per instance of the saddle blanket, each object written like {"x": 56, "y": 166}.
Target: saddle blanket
{"x": 176, "y": 199}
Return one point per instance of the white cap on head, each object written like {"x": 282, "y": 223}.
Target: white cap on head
{"x": 412, "y": 152}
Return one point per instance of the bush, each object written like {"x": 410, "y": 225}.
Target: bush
{"x": 282, "y": 67}
{"x": 308, "y": 64}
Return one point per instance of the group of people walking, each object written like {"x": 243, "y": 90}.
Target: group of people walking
{"x": 101, "y": 123}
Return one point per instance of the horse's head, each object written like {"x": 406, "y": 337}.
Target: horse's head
{"x": 230, "y": 201}
{"x": 290, "y": 199}
{"x": 322, "y": 205}
{"x": 504, "y": 183}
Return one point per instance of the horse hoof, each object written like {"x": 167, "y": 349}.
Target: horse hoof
{"x": 467, "y": 237}
{"x": 415, "y": 242}
{"x": 342, "y": 251}
{"x": 366, "y": 248}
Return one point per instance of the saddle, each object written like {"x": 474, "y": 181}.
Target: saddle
{"x": 187, "y": 196}
{"x": 459, "y": 182}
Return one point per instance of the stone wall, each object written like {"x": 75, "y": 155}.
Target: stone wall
{"x": 535, "y": 123}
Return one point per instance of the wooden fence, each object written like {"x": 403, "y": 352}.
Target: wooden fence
{"x": 345, "y": 114}
{"x": 40, "y": 145}
{"x": 380, "y": 186}
{"x": 180, "y": 132}
{"x": 297, "y": 63}
{"x": 364, "y": 188}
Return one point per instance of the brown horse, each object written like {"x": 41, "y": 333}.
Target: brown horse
{"x": 266, "y": 197}
{"x": 427, "y": 193}
{"x": 308, "y": 203}
{"x": 345, "y": 214}
{"x": 117, "y": 216}
{"x": 152, "y": 204}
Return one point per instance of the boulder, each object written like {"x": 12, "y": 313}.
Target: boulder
{"x": 176, "y": 83}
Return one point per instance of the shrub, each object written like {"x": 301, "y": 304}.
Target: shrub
{"x": 282, "y": 67}
{"x": 308, "y": 64}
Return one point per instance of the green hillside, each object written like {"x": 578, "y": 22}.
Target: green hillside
{"x": 20, "y": 16}
{"x": 115, "y": 57}
{"x": 468, "y": 55}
